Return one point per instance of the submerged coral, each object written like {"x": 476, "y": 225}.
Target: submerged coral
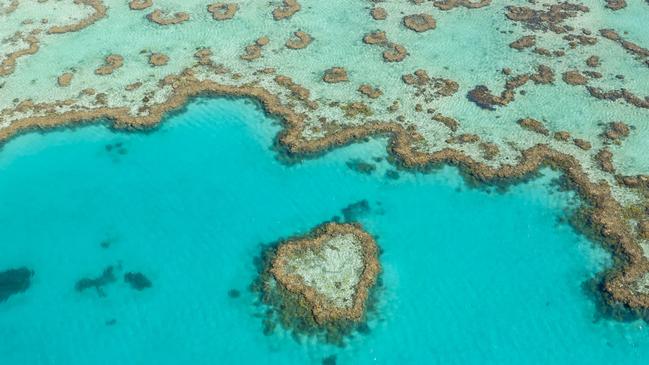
{"x": 14, "y": 281}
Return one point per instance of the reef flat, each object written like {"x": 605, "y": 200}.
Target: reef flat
{"x": 498, "y": 88}
{"x": 321, "y": 282}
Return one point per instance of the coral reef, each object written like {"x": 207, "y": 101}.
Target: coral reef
{"x": 160, "y": 18}
{"x": 534, "y": 126}
{"x": 158, "y": 59}
{"x": 524, "y": 42}
{"x": 14, "y": 281}
{"x": 107, "y": 277}
{"x": 379, "y": 13}
{"x": 286, "y": 10}
{"x": 419, "y": 22}
{"x": 140, "y": 4}
{"x": 65, "y": 79}
{"x": 335, "y": 75}
{"x": 137, "y": 281}
{"x": 301, "y": 40}
{"x": 112, "y": 63}
{"x": 223, "y": 11}
{"x": 320, "y": 282}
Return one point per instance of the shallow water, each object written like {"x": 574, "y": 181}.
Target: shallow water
{"x": 469, "y": 276}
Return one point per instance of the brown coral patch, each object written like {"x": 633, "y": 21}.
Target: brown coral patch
{"x": 286, "y": 10}
{"x": 65, "y": 79}
{"x": 562, "y": 136}
{"x": 605, "y": 160}
{"x": 593, "y": 61}
{"x": 463, "y": 139}
{"x": 112, "y": 63}
{"x": 158, "y": 59}
{"x": 482, "y": 96}
{"x": 301, "y": 40}
{"x": 8, "y": 64}
{"x": 451, "y": 4}
{"x": 574, "y": 77}
{"x": 160, "y": 18}
{"x": 140, "y": 4}
{"x": 449, "y": 122}
{"x": 534, "y": 126}
{"x": 623, "y": 94}
{"x": 378, "y": 13}
{"x": 630, "y": 47}
{"x": 615, "y": 4}
{"x": 369, "y": 91}
{"x": 428, "y": 86}
{"x": 582, "y": 143}
{"x": 223, "y": 11}
{"x": 100, "y": 12}
{"x": 616, "y": 131}
{"x": 633, "y": 182}
{"x": 298, "y": 91}
{"x": 335, "y": 75}
{"x": 419, "y": 22}
{"x": 550, "y": 19}
{"x": 203, "y": 55}
{"x": 10, "y": 8}
{"x": 396, "y": 53}
{"x": 376, "y": 37}
{"x": 489, "y": 150}
{"x": 356, "y": 108}
{"x": 643, "y": 229}
{"x": 523, "y": 42}
{"x": 133, "y": 86}
{"x": 253, "y": 51}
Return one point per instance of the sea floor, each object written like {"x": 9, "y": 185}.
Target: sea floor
{"x": 471, "y": 276}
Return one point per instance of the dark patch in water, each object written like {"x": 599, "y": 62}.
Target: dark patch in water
{"x": 329, "y": 360}
{"x": 234, "y": 293}
{"x": 117, "y": 146}
{"x": 111, "y": 322}
{"x": 355, "y": 210}
{"x": 106, "y": 243}
{"x": 137, "y": 280}
{"x": 392, "y": 174}
{"x": 363, "y": 328}
{"x": 106, "y": 277}
{"x": 361, "y": 166}
{"x": 14, "y": 281}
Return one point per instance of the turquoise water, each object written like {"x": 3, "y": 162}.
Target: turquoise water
{"x": 469, "y": 276}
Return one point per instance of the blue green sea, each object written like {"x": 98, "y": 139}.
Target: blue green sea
{"x": 470, "y": 275}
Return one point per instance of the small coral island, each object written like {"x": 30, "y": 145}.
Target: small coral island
{"x": 321, "y": 283}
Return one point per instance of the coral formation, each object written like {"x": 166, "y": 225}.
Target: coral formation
{"x": 160, "y": 18}
{"x": 223, "y": 11}
{"x": 14, "y": 281}
{"x": 419, "y": 22}
{"x": 140, "y": 4}
{"x": 112, "y": 63}
{"x": 301, "y": 40}
{"x": 321, "y": 282}
{"x": 286, "y": 10}
{"x": 158, "y": 59}
{"x": 335, "y": 75}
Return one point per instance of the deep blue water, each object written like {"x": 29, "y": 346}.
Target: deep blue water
{"x": 470, "y": 277}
